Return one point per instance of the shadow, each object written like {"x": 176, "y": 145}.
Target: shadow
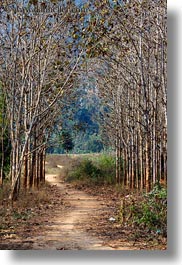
{"x": 173, "y": 133}
{"x": 173, "y": 251}
{"x": 86, "y": 256}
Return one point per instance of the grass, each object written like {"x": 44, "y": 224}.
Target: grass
{"x": 88, "y": 168}
{"x": 66, "y": 162}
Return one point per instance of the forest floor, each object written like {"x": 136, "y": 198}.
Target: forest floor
{"x": 65, "y": 216}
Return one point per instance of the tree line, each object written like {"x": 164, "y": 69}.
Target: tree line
{"x": 37, "y": 70}
{"x": 132, "y": 83}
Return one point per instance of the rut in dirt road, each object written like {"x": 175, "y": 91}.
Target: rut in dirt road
{"x": 66, "y": 232}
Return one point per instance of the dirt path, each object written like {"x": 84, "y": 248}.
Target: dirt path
{"x": 66, "y": 230}
{"x": 66, "y": 224}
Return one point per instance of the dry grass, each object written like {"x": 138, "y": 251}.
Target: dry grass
{"x": 25, "y": 197}
{"x": 62, "y": 164}
{"x": 24, "y": 207}
{"x": 67, "y": 160}
{"x": 34, "y": 197}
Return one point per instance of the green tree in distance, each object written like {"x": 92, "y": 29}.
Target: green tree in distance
{"x": 67, "y": 141}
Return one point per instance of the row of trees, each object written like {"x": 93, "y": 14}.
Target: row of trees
{"x": 37, "y": 64}
{"x": 132, "y": 83}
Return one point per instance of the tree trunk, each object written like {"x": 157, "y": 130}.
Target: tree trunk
{"x": 147, "y": 170}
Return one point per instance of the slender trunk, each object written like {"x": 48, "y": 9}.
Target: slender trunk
{"x": 25, "y": 172}
{"x": 117, "y": 155}
{"x": 129, "y": 168}
{"x": 137, "y": 162}
{"x": 132, "y": 164}
{"x": 16, "y": 173}
{"x": 147, "y": 170}
{"x": 41, "y": 166}
{"x": 124, "y": 167}
{"x": 119, "y": 160}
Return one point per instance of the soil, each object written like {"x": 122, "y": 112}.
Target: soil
{"x": 67, "y": 228}
{"x": 76, "y": 218}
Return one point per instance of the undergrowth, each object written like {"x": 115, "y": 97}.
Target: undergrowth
{"x": 98, "y": 170}
{"x": 23, "y": 208}
{"x": 147, "y": 212}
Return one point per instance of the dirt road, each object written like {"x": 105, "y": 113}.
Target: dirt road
{"x": 67, "y": 226}
{"x": 66, "y": 230}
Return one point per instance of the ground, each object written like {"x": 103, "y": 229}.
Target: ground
{"x": 72, "y": 217}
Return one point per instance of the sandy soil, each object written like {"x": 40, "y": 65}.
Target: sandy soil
{"x": 74, "y": 220}
{"x": 65, "y": 231}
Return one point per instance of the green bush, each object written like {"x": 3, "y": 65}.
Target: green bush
{"x": 100, "y": 169}
{"x": 85, "y": 170}
{"x": 106, "y": 165}
{"x": 149, "y": 211}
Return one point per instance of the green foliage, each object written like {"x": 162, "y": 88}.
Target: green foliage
{"x": 95, "y": 144}
{"x": 97, "y": 170}
{"x": 67, "y": 142}
{"x": 106, "y": 163}
{"x": 87, "y": 143}
{"x": 86, "y": 170}
{"x": 150, "y": 211}
{"x": 81, "y": 118}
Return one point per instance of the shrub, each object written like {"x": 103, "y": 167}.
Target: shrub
{"x": 148, "y": 211}
{"x": 106, "y": 164}
{"x": 85, "y": 170}
{"x": 99, "y": 170}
